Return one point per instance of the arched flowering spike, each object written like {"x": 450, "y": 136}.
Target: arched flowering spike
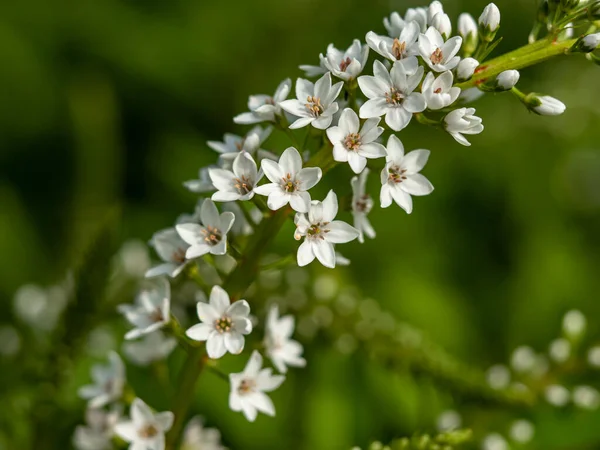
{"x": 238, "y": 183}
{"x": 400, "y": 177}
{"x": 400, "y": 46}
{"x": 315, "y": 104}
{"x": 109, "y": 381}
{"x": 354, "y": 144}
{"x": 439, "y": 92}
{"x": 248, "y": 389}
{"x": 462, "y": 121}
{"x": 211, "y": 236}
{"x": 151, "y": 311}
{"x": 146, "y": 430}
{"x": 362, "y": 203}
{"x": 223, "y": 325}
{"x": 392, "y": 93}
{"x": 280, "y": 347}
{"x": 289, "y": 181}
{"x": 437, "y": 54}
{"x": 264, "y": 108}
{"x": 321, "y": 232}
{"x": 171, "y": 249}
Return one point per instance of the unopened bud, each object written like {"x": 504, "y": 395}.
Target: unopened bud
{"x": 466, "y": 68}
{"x": 544, "y": 105}
{"x": 434, "y": 8}
{"x": 489, "y": 22}
{"x": 587, "y": 44}
{"x": 441, "y": 22}
{"x": 467, "y": 28}
{"x": 507, "y": 80}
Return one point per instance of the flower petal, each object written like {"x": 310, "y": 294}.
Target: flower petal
{"x": 215, "y": 345}
{"x": 417, "y": 184}
{"x": 219, "y": 299}
{"x": 206, "y": 312}
{"x": 200, "y": 331}
{"x": 340, "y": 232}
{"x": 305, "y": 254}
{"x": 324, "y": 252}
{"x": 234, "y": 342}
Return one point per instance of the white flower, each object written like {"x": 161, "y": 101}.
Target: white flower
{"x": 238, "y": 183}
{"x": 145, "y": 430}
{"x": 109, "y": 381}
{"x": 441, "y": 22}
{"x": 507, "y": 79}
{"x": 354, "y": 144}
{"x": 494, "y": 441}
{"x": 394, "y": 24}
{"x": 153, "y": 347}
{"x": 248, "y": 388}
{"x": 315, "y": 103}
{"x": 462, "y": 121}
{"x": 590, "y": 42}
{"x": 362, "y": 203}
{"x": 391, "y": 93}
{"x": 279, "y": 347}
{"x": 439, "y": 92}
{"x": 594, "y": 357}
{"x": 289, "y": 181}
{"x": 321, "y": 232}
{"x": 434, "y": 8}
{"x": 211, "y": 236}
{"x": 400, "y": 46}
{"x": 522, "y": 431}
{"x": 574, "y": 324}
{"x": 98, "y": 433}
{"x": 198, "y": 437}
{"x": 437, "y": 54}
{"x": 547, "y": 106}
{"x": 151, "y": 311}
{"x": 560, "y": 350}
{"x": 264, "y": 108}
{"x": 467, "y": 27}
{"x": 400, "y": 178}
{"x": 490, "y": 18}
{"x": 586, "y": 397}
{"x": 419, "y": 15}
{"x": 202, "y": 184}
{"x": 557, "y": 395}
{"x": 346, "y": 65}
{"x": 171, "y": 249}
{"x": 466, "y": 68}
{"x": 233, "y": 145}
{"x": 223, "y": 325}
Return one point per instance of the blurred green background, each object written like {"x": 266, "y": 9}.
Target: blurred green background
{"x": 111, "y": 102}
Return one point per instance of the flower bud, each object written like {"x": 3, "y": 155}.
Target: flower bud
{"x": 489, "y": 22}
{"x": 466, "y": 68}
{"x": 587, "y": 44}
{"x": 441, "y": 22}
{"x": 434, "y": 8}
{"x": 544, "y": 105}
{"x": 507, "y": 80}
{"x": 467, "y": 28}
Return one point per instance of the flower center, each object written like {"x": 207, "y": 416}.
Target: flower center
{"x": 156, "y": 315}
{"x": 394, "y": 96}
{"x": 314, "y": 106}
{"x": 363, "y": 204}
{"x": 178, "y": 256}
{"x": 270, "y": 101}
{"x": 246, "y": 386}
{"x": 147, "y": 431}
{"x": 317, "y": 230}
{"x": 437, "y": 56}
{"x": 396, "y": 174}
{"x": 353, "y": 141}
{"x": 243, "y": 185}
{"x": 345, "y": 63}
{"x": 398, "y": 48}
{"x": 212, "y": 235}
{"x": 288, "y": 184}
{"x": 438, "y": 91}
{"x": 223, "y": 324}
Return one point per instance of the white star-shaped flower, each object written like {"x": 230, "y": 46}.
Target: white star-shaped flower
{"x": 146, "y": 430}
{"x": 238, "y": 183}
{"x": 233, "y": 145}
{"x": 152, "y": 347}
{"x": 353, "y": 144}
{"x": 439, "y": 92}
{"x": 280, "y": 348}
{"x": 151, "y": 311}
{"x": 248, "y": 388}
{"x": 346, "y": 65}
{"x": 211, "y": 236}
{"x": 400, "y": 177}
{"x": 198, "y": 437}
{"x": 265, "y": 108}
{"x": 362, "y": 203}
{"x": 171, "y": 249}
{"x": 315, "y": 104}
{"x": 462, "y": 121}
{"x": 321, "y": 232}
{"x": 99, "y": 429}
{"x": 289, "y": 181}
{"x": 437, "y": 54}
{"x": 400, "y": 46}
{"x": 109, "y": 381}
{"x": 223, "y": 325}
{"x": 391, "y": 93}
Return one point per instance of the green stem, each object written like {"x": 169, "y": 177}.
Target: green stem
{"x": 522, "y": 57}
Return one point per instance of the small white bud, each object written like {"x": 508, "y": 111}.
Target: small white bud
{"x": 557, "y": 395}
{"x": 574, "y": 323}
{"x": 434, "y": 8}
{"x": 591, "y": 42}
{"x": 498, "y": 376}
{"x": 586, "y": 397}
{"x": 466, "y": 68}
{"x": 441, "y": 22}
{"x": 490, "y": 18}
{"x": 545, "y": 105}
{"x": 522, "y": 431}
{"x": 507, "y": 79}
{"x": 467, "y": 25}
{"x": 560, "y": 350}
{"x": 594, "y": 357}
